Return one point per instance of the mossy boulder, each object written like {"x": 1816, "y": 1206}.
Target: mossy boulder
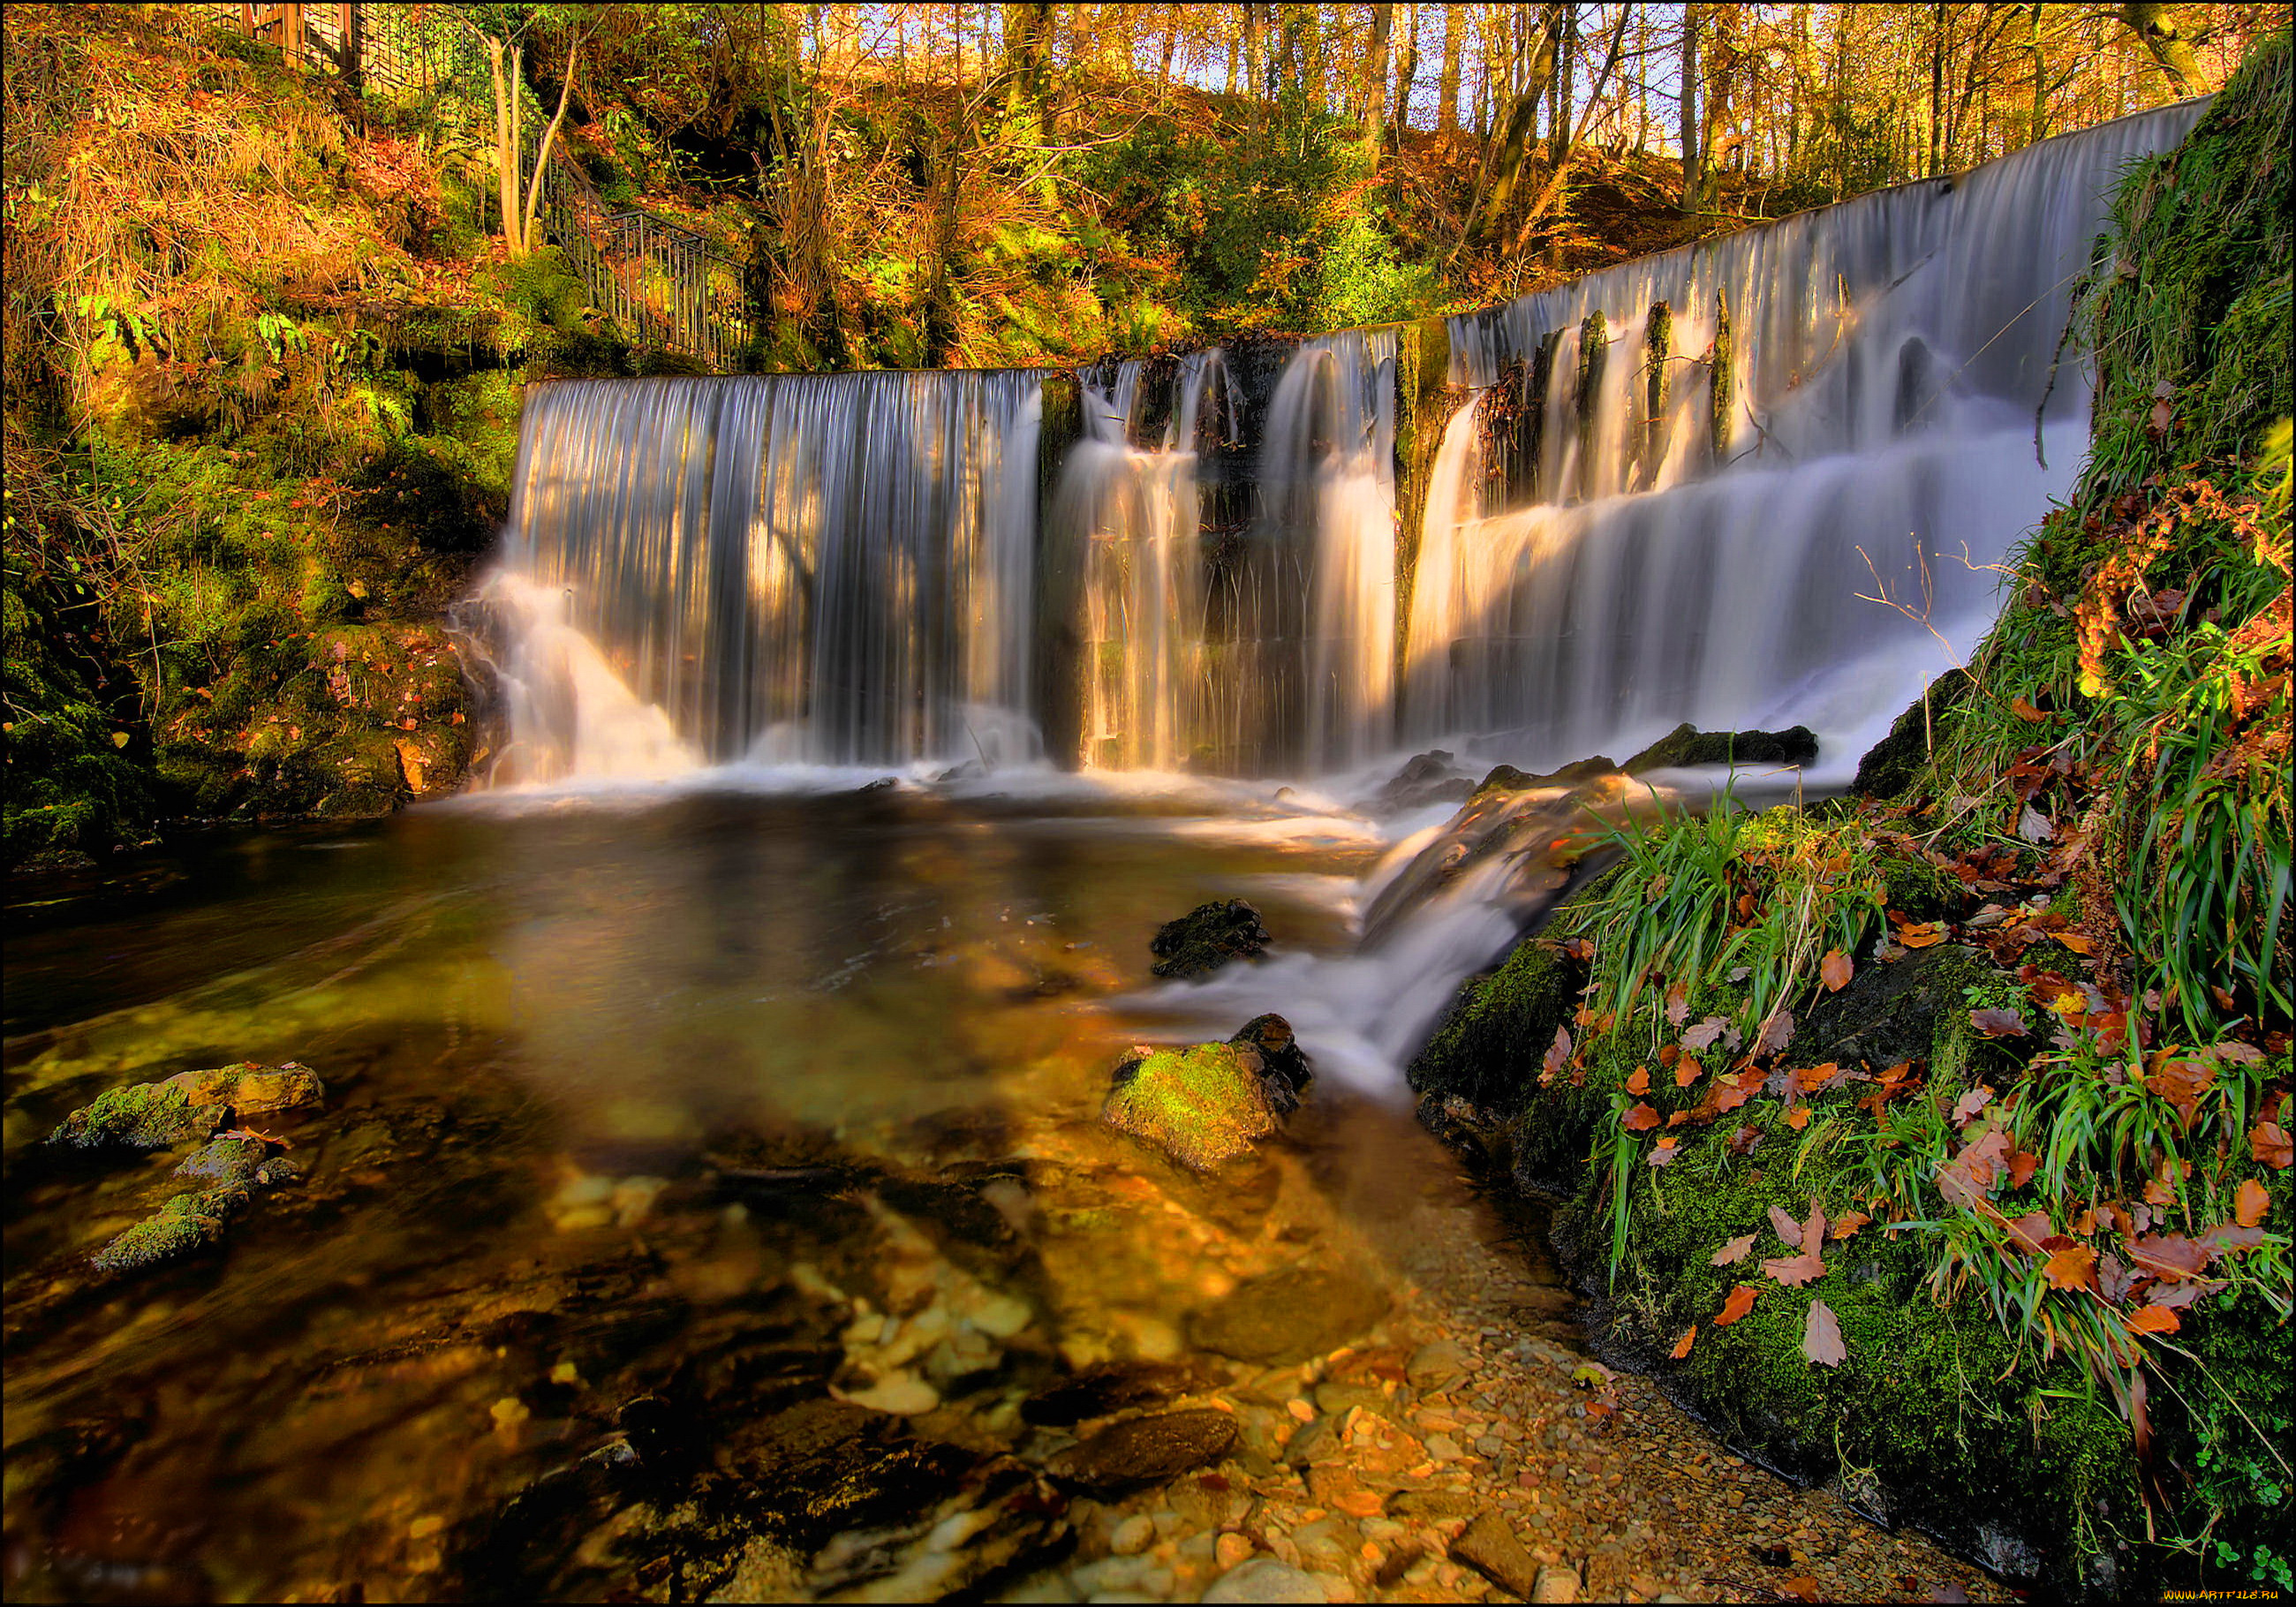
{"x": 1891, "y": 766}
{"x": 1686, "y": 745}
{"x": 191, "y": 1105}
{"x": 1207, "y": 938}
{"x": 1202, "y": 1105}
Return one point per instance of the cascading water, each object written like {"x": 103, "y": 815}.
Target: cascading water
{"x": 825, "y": 570}
{"x": 1140, "y": 510}
{"x": 1725, "y": 445}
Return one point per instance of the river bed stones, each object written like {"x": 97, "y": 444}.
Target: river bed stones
{"x": 1490, "y": 1547}
{"x": 1207, "y": 938}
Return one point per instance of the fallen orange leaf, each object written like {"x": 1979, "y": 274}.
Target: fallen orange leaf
{"x": 1638, "y": 1084}
{"x": 2267, "y": 1141}
{"x": 1687, "y": 1071}
{"x": 1835, "y": 971}
{"x": 2250, "y": 1203}
{"x": 1740, "y": 1303}
{"x": 2154, "y": 1319}
{"x": 1682, "y": 1345}
{"x": 1798, "y": 1117}
{"x": 2071, "y": 1268}
{"x": 1641, "y": 1118}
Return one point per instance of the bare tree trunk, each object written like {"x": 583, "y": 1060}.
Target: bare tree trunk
{"x": 542, "y": 152}
{"x": 1374, "y": 80}
{"x": 1937, "y": 87}
{"x": 1406, "y": 70}
{"x": 1446, "y": 84}
{"x": 1559, "y": 124}
{"x": 1693, "y": 175}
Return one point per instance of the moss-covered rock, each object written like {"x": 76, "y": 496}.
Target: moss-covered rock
{"x": 1207, "y": 938}
{"x": 1202, "y": 1105}
{"x": 1686, "y": 745}
{"x": 1891, "y": 767}
{"x": 188, "y": 1106}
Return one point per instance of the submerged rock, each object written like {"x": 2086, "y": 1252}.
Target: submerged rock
{"x": 1207, "y": 938}
{"x": 1287, "y": 1315}
{"x": 1489, "y": 1547}
{"x": 1146, "y": 1450}
{"x": 1506, "y": 778}
{"x": 186, "y": 1223}
{"x": 1265, "y": 1579}
{"x": 1686, "y": 745}
{"x": 1102, "y": 1389}
{"x": 1202, "y": 1105}
{"x": 191, "y": 1105}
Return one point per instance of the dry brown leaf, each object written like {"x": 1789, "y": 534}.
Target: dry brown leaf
{"x": 1678, "y": 1004}
{"x": 1782, "y": 1224}
{"x": 1846, "y": 1225}
{"x": 1733, "y": 1252}
{"x": 1687, "y": 1071}
{"x": 2250, "y": 1203}
{"x": 1821, "y": 1336}
{"x": 1642, "y": 1119}
{"x": 2022, "y": 1165}
{"x": 1638, "y": 1084}
{"x": 1926, "y": 935}
{"x": 2267, "y": 1141}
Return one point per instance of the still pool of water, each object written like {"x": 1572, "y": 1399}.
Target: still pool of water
{"x": 637, "y": 1101}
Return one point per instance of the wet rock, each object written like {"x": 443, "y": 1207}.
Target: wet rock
{"x": 190, "y": 1222}
{"x": 192, "y": 1105}
{"x": 1430, "y": 778}
{"x": 1207, "y": 938}
{"x": 1489, "y": 1547}
{"x": 165, "y": 1237}
{"x": 1099, "y": 1390}
{"x": 1285, "y": 1070}
{"x": 1146, "y": 1450}
{"x": 1202, "y": 1105}
{"x": 1287, "y": 1315}
{"x": 225, "y": 1160}
{"x": 1318, "y": 1440}
{"x": 1334, "y": 1399}
{"x": 1265, "y": 1579}
{"x": 1686, "y": 745}
{"x": 1506, "y": 778}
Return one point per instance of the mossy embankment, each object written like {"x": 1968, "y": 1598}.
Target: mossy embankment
{"x": 2017, "y": 1030}
{"x": 263, "y": 363}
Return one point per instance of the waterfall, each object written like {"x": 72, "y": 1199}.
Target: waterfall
{"x": 832, "y": 568}
{"x": 1765, "y": 479}
{"x": 1147, "y": 682}
{"x": 1762, "y": 480}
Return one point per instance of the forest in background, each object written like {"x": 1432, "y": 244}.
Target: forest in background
{"x": 269, "y": 304}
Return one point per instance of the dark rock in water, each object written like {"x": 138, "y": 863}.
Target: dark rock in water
{"x": 1146, "y": 1450}
{"x": 1202, "y": 1105}
{"x": 1890, "y": 764}
{"x": 1430, "y": 778}
{"x": 1686, "y": 745}
{"x": 192, "y": 1105}
{"x": 1285, "y": 1070}
{"x": 1506, "y": 778}
{"x": 190, "y": 1222}
{"x": 1103, "y": 1388}
{"x": 1207, "y": 938}
{"x": 883, "y": 783}
{"x": 1287, "y": 1315}
{"x": 226, "y": 1160}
